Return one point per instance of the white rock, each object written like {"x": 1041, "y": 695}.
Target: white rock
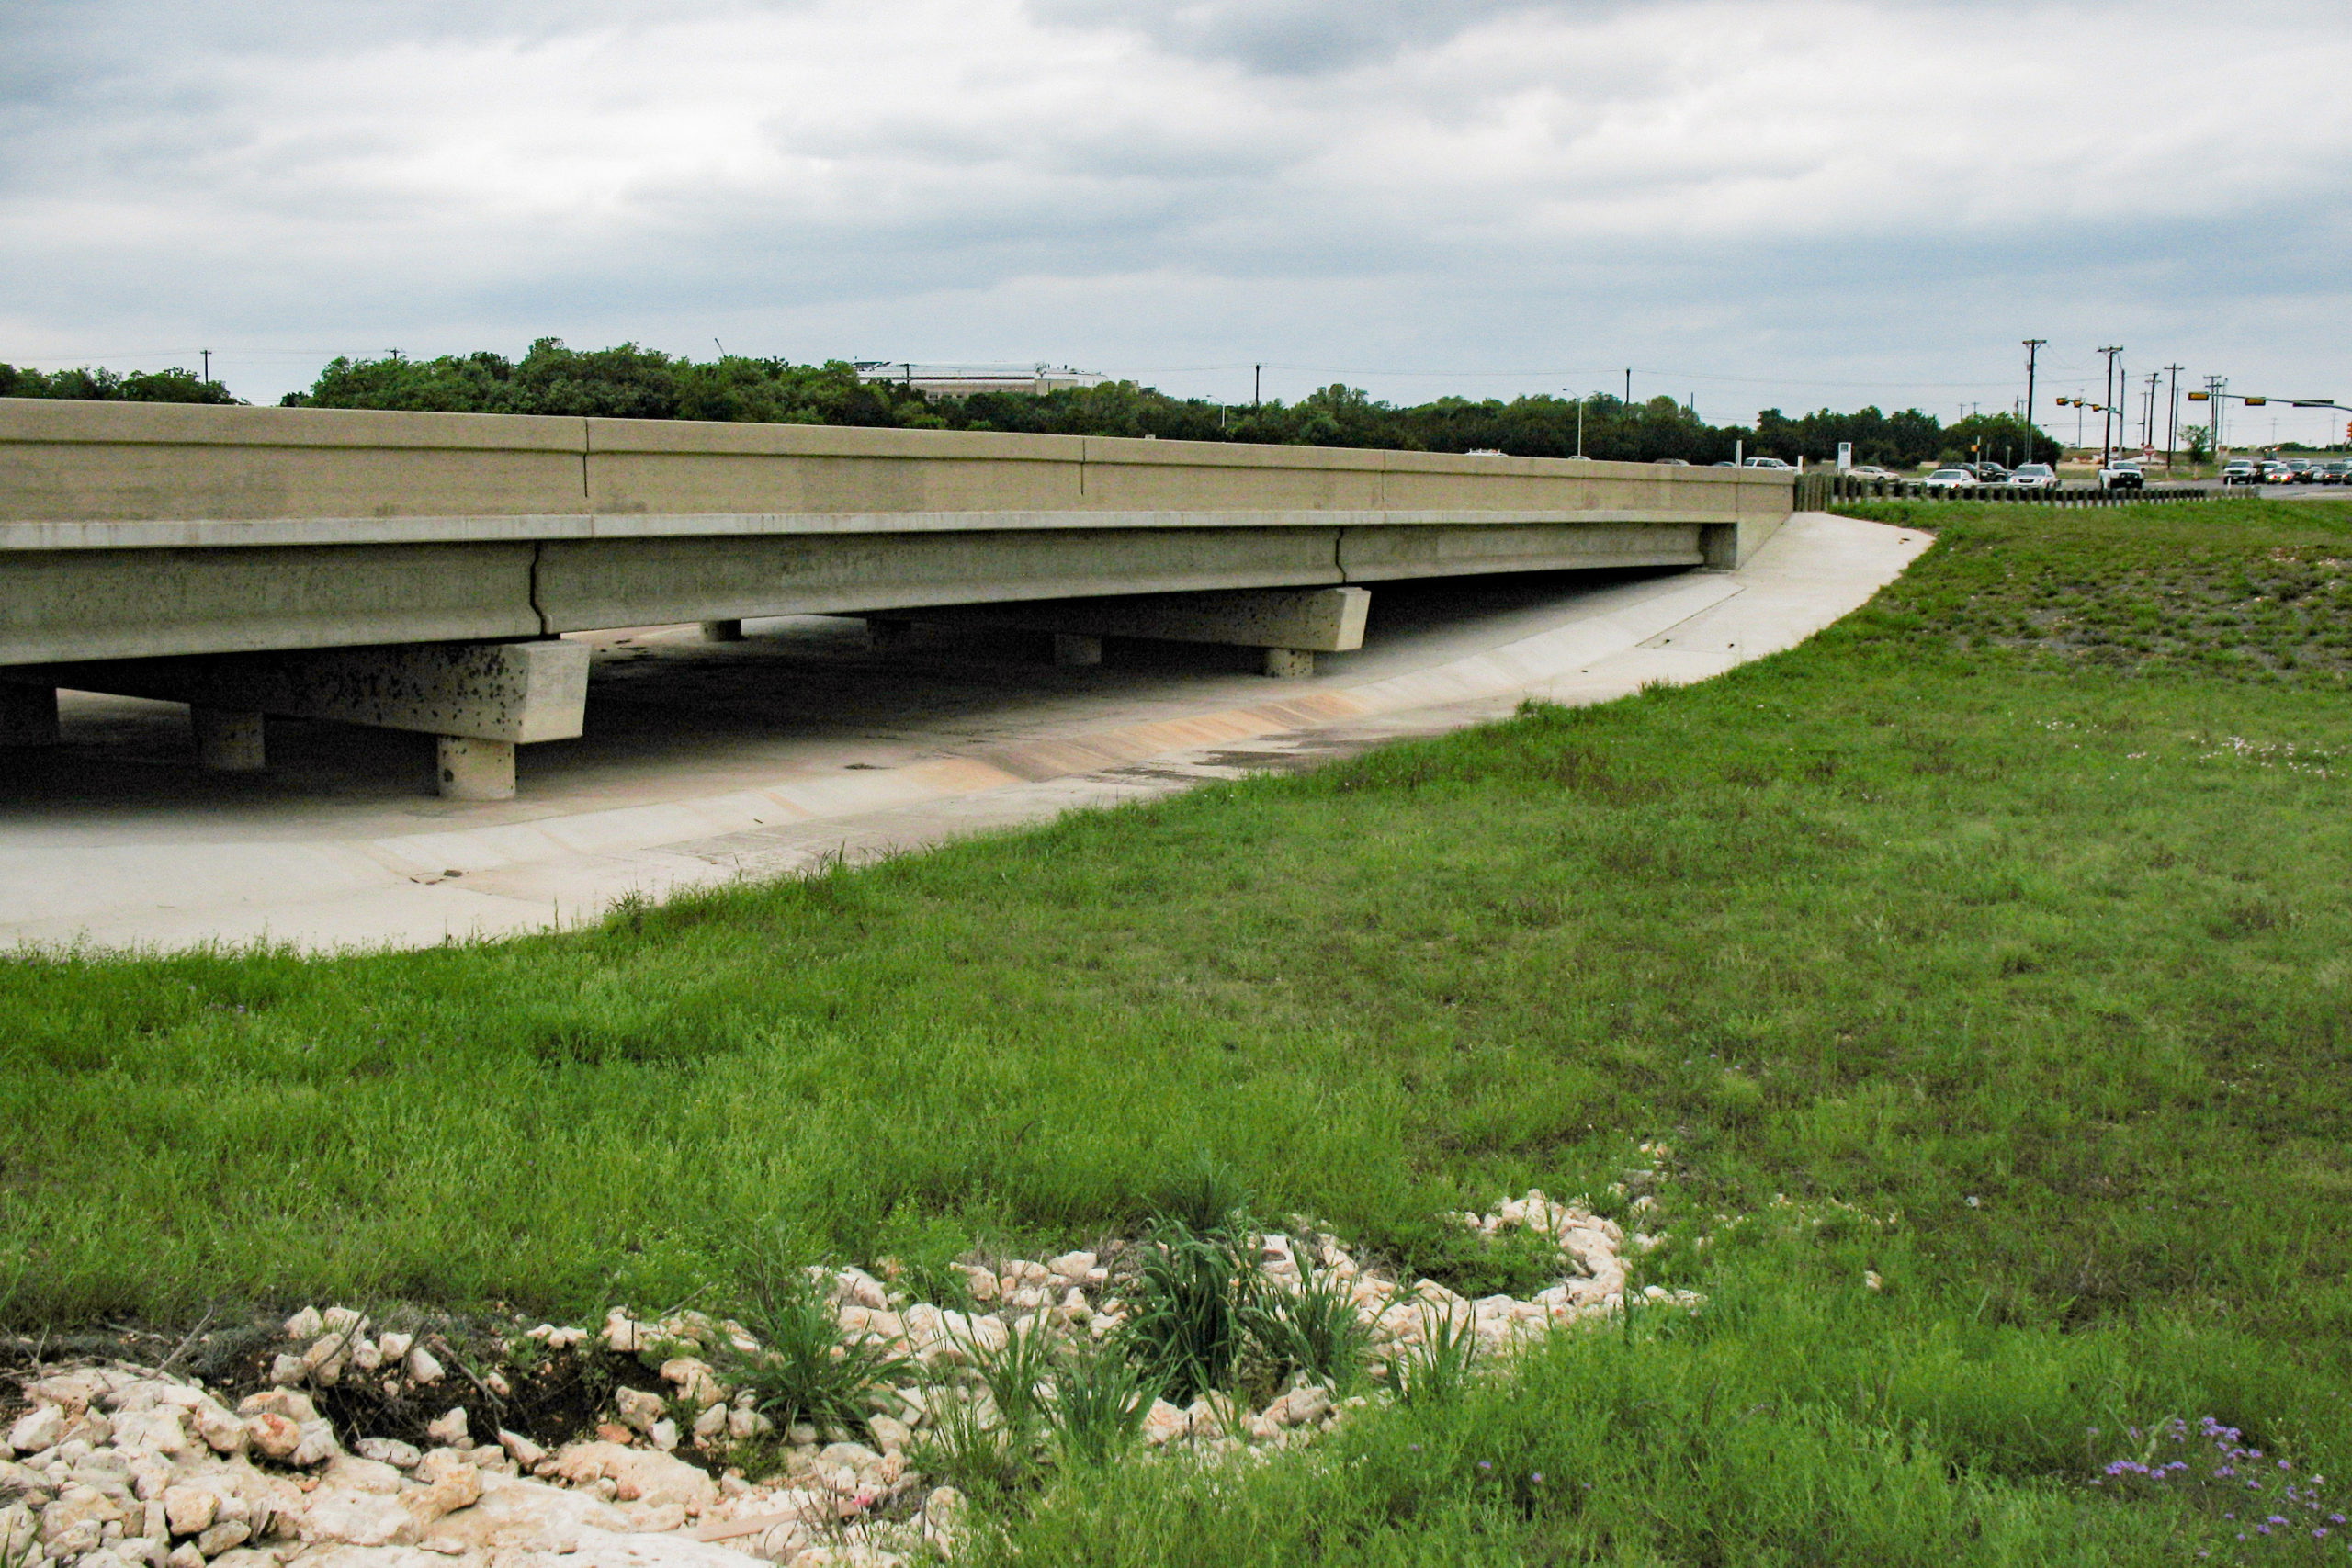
{"x": 858, "y": 1286}
{"x": 305, "y": 1324}
{"x": 184, "y": 1555}
{"x": 294, "y": 1405}
{"x": 221, "y": 1431}
{"x": 459, "y": 1486}
{"x": 272, "y": 1435}
{"x": 37, "y": 1429}
{"x": 638, "y": 1475}
{"x": 388, "y": 1450}
{"x": 520, "y": 1448}
{"x": 1072, "y": 1268}
{"x": 711, "y": 1425}
{"x": 393, "y": 1346}
{"x": 695, "y": 1380}
{"x": 664, "y": 1435}
{"x": 448, "y": 1429}
{"x": 639, "y": 1408}
{"x": 1306, "y": 1405}
{"x": 422, "y": 1366}
{"x": 159, "y": 1429}
{"x": 1164, "y": 1422}
{"x": 190, "y": 1510}
{"x": 286, "y": 1370}
{"x": 222, "y": 1535}
{"x": 316, "y": 1444}
{"x": 623, "y": 1334}
{"x": 356, "y": 1518}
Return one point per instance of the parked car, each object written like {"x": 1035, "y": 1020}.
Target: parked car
{"x": 1988, "y": 473}
{"x": 2035, "y": 476}
{"x": 2121, "y": 473}
{"x": 1770, "y": 463}
{"x": 1672, "y": 462}
{"x": 2301, "y": 468}
{"x": 2331, "y": 473}
{"x": 1949, "y": 478}
{"x": 2239, "y": 472}
{"x": 1870, "y": 471}
{"x": 2276, "y": 473}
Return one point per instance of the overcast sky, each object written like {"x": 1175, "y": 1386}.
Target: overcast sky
{"x": 1796, "y": 203}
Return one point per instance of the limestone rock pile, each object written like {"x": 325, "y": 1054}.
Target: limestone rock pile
{"x": 121, "y": 1467}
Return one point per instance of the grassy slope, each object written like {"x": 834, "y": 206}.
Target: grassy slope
{"x": 2023, "y": 887}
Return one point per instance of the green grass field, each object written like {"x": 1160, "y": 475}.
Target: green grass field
{"x": 2003, "y": 929}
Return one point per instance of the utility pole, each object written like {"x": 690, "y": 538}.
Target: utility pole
{"x": 2107, "y": 415}
{"x": 2032, "y": 353}
{"x": 1256, "y": 384}
{"x": 2172, "y": 420}
{"x": 1629, "y": 386}
{"x": 2148, "y": 417}
{"x": 207, "y": 365}
{"x": 1580, "y": 426}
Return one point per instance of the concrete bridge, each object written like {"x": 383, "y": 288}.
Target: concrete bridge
{"x": 419, "y": 571}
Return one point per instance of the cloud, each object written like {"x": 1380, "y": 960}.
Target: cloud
{"x": 1809, "y": 200}
{"x": 1293, "y": 37}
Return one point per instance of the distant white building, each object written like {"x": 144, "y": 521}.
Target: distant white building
{"x": 963, "y": 380}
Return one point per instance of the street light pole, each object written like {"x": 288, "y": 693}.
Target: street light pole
{"x": 2171, "y": 419}
{"x": 2032, "y": 353}
{"x": 2107, "y": 414}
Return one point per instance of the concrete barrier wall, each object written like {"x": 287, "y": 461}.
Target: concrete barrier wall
{"x": 84, "y": 462}
{"x": 132, "y": 530}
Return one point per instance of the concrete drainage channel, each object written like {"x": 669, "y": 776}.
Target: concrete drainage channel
{"x": 799, "y": 743}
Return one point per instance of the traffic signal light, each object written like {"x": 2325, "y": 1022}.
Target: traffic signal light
{"x": 2200, "y": 397}
{"x": 2256, "y": 403}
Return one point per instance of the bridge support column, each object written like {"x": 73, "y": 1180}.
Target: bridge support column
{"x": 471, "y": 769}
{"x": 228, "y": 740}
{"x": 1290, "y": 663}
{"x": 27, "y": 714}
{"x": 722, "y": 631}
{"x": 480, "y": 696}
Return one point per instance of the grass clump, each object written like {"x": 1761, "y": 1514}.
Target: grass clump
{"x": 1101, "y": 1397}
{"x": 1189, "y": 1308}
{"x": 803, "y": 1371}
{"x": 1314, "y": 1329}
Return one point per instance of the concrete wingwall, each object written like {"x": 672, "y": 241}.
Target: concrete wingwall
{"x": 132, "y": 530}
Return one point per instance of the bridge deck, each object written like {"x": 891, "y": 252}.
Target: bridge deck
{"x": 142, "y": 530}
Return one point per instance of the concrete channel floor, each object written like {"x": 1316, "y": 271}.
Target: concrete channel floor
{"x": 704, "y": 762}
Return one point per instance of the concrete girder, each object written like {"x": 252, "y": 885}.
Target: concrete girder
{"x": 1317, "y": 620}
{"x": 1294, "y": 622}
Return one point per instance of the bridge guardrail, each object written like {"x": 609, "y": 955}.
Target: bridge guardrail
{"x": 1815, "y": 491}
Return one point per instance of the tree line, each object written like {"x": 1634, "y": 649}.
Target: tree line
{"x": 173, "y": 385}
{"x": 630, "y": 382}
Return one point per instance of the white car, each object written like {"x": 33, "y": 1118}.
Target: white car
{"x": 2121, "y": 474}
{"x": 2034, "y": 476}
{"x": 1950, "y": 478}
{"x": 1869, "y": 471}
{"x": 1770, "y": 463}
